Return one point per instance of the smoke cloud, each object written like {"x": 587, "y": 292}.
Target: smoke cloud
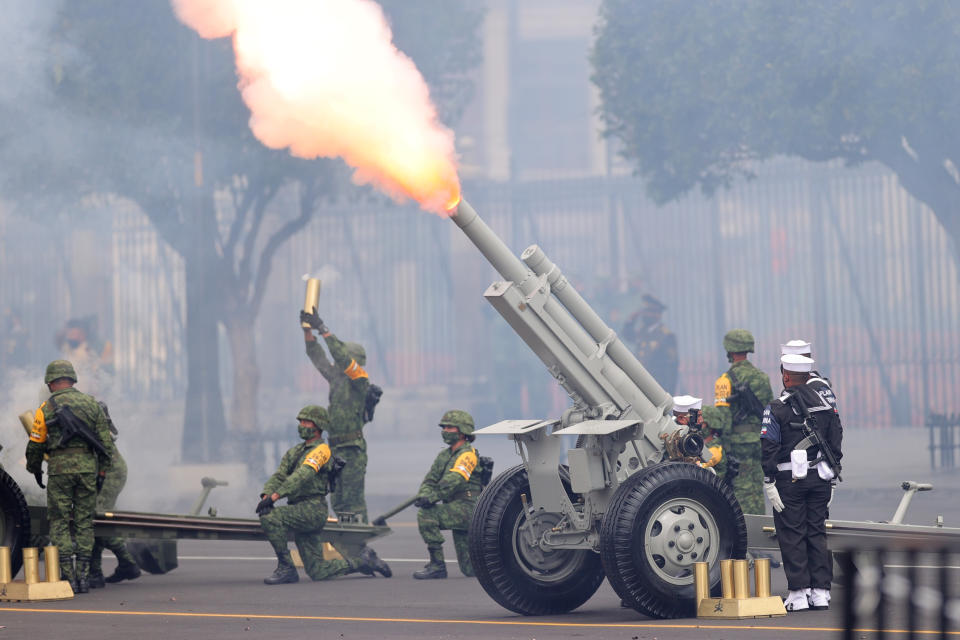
{"x": 323, "y": 79}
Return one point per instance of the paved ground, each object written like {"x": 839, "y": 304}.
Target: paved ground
{"x": 217, "y": 593}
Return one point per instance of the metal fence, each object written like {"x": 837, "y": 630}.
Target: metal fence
{"x": 841, "y": 257}
{"x": 944, "y": 441}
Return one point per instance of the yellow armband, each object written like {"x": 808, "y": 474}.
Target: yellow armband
{"x": 355, "y": 371}
{"x": 317, "y": 457}
{"x": 722, "y": 389}
{"x": 465, "y": 463}
{"x": 39, "y": 431}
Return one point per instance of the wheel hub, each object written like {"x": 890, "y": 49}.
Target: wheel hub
{"x": 544, "y": 564}
{"x": 680, "y": 532}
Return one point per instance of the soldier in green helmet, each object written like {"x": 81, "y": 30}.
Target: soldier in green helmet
{"x": 349, "y": 386}
{"x": 740, "y": 396}
{"x": 304, "y": 478}
{"x": 72, "y": 429}
{"x": 448, "y": 494}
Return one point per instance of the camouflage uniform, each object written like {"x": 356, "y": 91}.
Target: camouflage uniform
{"x": 302, "y": 479}
{"x": 112, "y": 486}
{"x": 348, "y": 391}
{"x": 452, "y": 482}
{"x": 72, "y": 468}
{"x": 741, "y": 439}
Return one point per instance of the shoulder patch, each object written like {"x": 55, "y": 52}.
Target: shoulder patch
{"x": 39, "y": 431}
{"x": 317, "y": 457}
{"x": 355, "y": 371}
{"x": 465, "y": 463}
{"x": 722, "y": 389}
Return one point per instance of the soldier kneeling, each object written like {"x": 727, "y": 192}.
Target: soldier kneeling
{"x": 304, "y": 478}
{"x": 453, "y": 481}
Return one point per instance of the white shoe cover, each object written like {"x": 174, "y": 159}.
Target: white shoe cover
{"x": 796, "y": 601}
{"x": 820, "y": 599}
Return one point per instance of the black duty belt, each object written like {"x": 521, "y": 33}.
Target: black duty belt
{"x": 746, "y": 428}
{"x": 346, "y": 437}
{"x": 463, "y": 495}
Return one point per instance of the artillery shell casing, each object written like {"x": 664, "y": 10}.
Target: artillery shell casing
{"x": 312, "y": 298}
{"x": 726, "y": 578}
{"x": 31, "y": 565}
{"x": 761, "y": 576}
{"x": 51, "y": 563}
{"x": 741, "y": 579}
{"x": 701, "y": 581}
{"x": 5, "y": 565}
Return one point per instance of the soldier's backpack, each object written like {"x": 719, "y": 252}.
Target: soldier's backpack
{"x": 370, "y": 402}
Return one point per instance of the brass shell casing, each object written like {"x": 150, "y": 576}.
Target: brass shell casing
{"x": 51, "y": 563}
{"x": 701, "y": 581}
{"x": 5, "y": 565}
{"x": 31, "y": 565}
{"x": 741, "y": 579}
{"x": 312, "y": 298}
{"x": 26, "y": 420}
{"x": 761, "y": 576}
{"x": 726, "y": 578}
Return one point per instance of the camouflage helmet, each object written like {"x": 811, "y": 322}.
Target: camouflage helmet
{"x": 738, "y": 341}
{"x": 356, "y": 351}
{"x": 459, "y": 419}
{"x": 59, "y": 369}
{"x": 315, "y": 414}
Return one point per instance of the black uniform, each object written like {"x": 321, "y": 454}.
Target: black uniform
{"x": 801, "y": 526}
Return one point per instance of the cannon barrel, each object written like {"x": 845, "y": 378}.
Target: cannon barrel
{"x": 576, "y": 346}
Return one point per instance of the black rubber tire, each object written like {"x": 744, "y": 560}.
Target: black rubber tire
{"x": 624, "y": 549}
{"x": 14, "y": 520}
{"x": 498, "y": 569}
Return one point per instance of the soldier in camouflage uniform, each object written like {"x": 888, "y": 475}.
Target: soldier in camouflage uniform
{"x": 127, "y": 568}
{"x": 734, "y": 417}
{"x": 76, "y": 468}
{"x": 452, "y": 482}
{"x": 654, "y": 345}
{"x": 348, "y": 392}
{"x": 303, "y": 479}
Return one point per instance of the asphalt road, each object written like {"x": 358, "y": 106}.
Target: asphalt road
{"x": 217, "y": 593}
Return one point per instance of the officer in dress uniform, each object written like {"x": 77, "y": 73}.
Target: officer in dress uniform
{"x": 802, "y": 348}
{"x": 798, "y": 481}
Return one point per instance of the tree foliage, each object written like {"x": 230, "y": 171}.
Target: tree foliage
{"x": 697, "y": 92}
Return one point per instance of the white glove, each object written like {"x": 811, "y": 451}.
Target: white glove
{"x": 770, "y": 489}
{"x": 833, "y": 488}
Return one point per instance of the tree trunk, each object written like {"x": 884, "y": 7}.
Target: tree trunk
{"x": 204, "y": 427}
{"x": 246, "y": 386}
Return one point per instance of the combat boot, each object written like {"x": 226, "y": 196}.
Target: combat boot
{"x": 285, "y": 573}
{"x": 83, "y": 574}
{"x": 371, "y": 562}
{"x": 68, "y": 573}
{"x": 96, "y": 578}
{"x": 124, "y": 571}
{"x": 436, "y": 569}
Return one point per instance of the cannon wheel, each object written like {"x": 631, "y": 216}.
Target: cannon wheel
{"x": 518, "y": 577}
{"x": 661, "y": 520}
{"x": 14, "y": 520}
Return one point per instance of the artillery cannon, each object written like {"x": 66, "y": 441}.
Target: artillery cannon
{"x": 544, "y": 535}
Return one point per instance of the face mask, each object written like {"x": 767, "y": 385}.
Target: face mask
{"x": 306, "y": 432}
{"x": 450, "y": 437}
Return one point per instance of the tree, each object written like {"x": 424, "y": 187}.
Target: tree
{"x": 696, "y": 93}
{"x": 153, "y": 114}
